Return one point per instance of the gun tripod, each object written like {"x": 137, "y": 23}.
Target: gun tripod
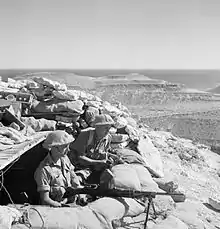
{"x": 150, "y": 203}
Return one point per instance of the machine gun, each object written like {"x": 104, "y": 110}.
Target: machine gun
{"x": 97, "y": 191}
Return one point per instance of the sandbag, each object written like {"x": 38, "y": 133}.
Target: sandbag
{"x": 133, "y": 207}
{"x": 125, "y": 177}
{"x": 133, "y": 133}
{"x": 120, "y": 122}
{"x": 112, "y": 208}
{"x": 65, "y": 218}
{"x": 145, "y": 178}
{"x": 8, "y": 215}
{"x": 85, "y": 96}
{"x": 110, "y": 109}
{"x": 95, "y": 104}
{"x": 52, "y": 106}
{"x": 39, "y": 124}
{"x": 132, "y": 122}
{"x": 129, "y": 176}
{"x": 70, "y": 95}
{"x": 130, "y": 156}
{"x": 13, "y": 135}
{"x": 5, "y": 147}
{"x": 151, "y": 156}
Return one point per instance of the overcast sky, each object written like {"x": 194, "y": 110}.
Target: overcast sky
{"x": 110, "y": 34}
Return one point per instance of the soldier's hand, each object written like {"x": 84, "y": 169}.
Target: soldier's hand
{"x": 82, "y": 199}
{"x": 101, "y": 165}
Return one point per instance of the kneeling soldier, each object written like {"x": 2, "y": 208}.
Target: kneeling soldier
{"x": 55, "y": 173}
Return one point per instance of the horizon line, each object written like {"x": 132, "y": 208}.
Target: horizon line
{"x": 112, "y": 69}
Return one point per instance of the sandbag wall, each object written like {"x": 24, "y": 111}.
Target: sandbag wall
{"x": 53, "y": 106}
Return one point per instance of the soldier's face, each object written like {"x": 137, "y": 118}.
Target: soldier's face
{"x": 103, "y": 130}
{"x": 61, "y": 150}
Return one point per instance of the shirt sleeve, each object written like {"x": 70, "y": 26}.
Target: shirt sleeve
{"x": 101, "y": 149}
{"x": 42, "y": 179}
{"x": 108, "y": 145}
{"x": 74, "y": 180}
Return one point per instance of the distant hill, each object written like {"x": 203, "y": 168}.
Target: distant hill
{"x": 215, "y": 90}
{"x": 127, "y": 79}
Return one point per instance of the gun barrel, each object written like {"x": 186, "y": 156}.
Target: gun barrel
{"x": 116, "y": 193}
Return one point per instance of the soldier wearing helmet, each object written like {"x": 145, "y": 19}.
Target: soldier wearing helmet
{"x": 89, "y": 152}
{"x": 55, "y": 173}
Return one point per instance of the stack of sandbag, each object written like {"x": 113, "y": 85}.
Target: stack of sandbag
{"x": 96, "y": 215}
{"x": 39, "y": 124}
{"x": 124, "y": 133}
{"x": 111, "y": 110}
{"x": 86, "y": 105}
{"x": 57, "y": 106}
{"x": 70, "y": 95}
{"x": 130, "y": 177}
{"x": 10, "y": 136}
{"x": 52, "y": 96}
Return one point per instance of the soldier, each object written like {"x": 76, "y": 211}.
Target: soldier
{"x": 89, "y": 153}
{"x": 55, "y": 173}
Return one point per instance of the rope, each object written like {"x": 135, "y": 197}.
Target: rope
{"x": 26, "y": 219}
{"x": 2, "y": 180}
{"x": 9, "y": 196}
{"x": 5, "y": 189}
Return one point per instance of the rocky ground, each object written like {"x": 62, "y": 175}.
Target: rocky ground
{"x": 196, "y": 170}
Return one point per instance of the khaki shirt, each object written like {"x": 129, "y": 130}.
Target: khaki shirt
{"x": 86, "y": 145}
{"x": 53, "y": 177}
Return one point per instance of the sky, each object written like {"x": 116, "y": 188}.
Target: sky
{"x": 110, "y": 34}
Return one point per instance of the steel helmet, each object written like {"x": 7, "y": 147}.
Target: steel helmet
{"x": 90, "y": 114}
{"x": 101, "y": 120}
{"x": 56, "y": 138}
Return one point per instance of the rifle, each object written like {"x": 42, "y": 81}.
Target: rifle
{"x": 97, "y": 191}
